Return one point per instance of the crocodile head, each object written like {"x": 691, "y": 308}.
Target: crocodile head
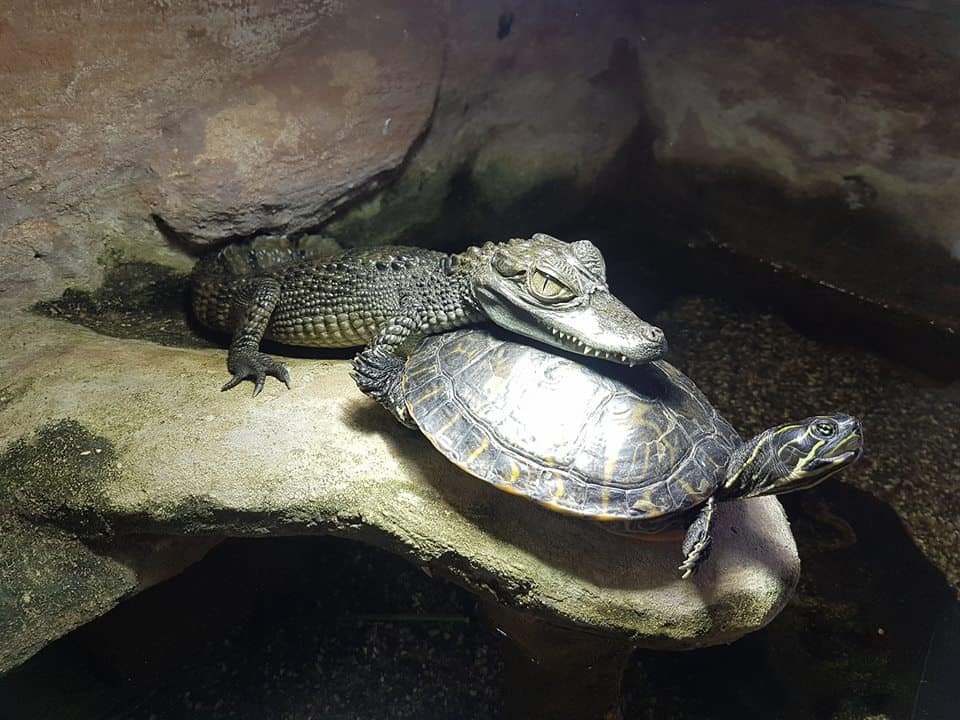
{"x": 556, "y": 292}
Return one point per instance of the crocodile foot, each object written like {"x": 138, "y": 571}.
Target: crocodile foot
{"x": 380, "y": 375}
{"x": 255, "y": 366}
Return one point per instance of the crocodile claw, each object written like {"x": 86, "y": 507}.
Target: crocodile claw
{"x": 255, "y": 366}
{"x": 380, "y": 375}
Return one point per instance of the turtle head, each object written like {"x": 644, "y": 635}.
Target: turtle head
{"x": 793, "y": 456}
{"x": 556, "y": 292}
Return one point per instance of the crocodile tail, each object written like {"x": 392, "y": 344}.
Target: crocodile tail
{"x": 265, "y": 253}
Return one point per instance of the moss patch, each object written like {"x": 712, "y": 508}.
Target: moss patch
{"x": 60, "y": 476}
{"x": 136, "y": 300}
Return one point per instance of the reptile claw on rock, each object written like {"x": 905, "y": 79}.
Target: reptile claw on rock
{"x": 255, "y": 366}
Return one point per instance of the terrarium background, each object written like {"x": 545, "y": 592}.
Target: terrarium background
{"x": 732, "y": 160}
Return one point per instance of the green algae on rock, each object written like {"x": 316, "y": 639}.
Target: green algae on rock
{"x": 60, "y": 475}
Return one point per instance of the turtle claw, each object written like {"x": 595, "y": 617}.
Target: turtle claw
{"x": 698, "y": 541}
{"x": 255, "y": 366}
{"x": 688, "y": 568}
{"x": 379, "y": 375}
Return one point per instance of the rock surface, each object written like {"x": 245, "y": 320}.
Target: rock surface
{"x": 534, "y": 107}
{"x": 51, "y": 582}
{"x": 222, "y": 118}
{"x": 811, "y": 135}
{"x": 105, "y": 437}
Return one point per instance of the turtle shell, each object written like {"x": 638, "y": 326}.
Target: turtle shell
{"x": 551, "y": 428}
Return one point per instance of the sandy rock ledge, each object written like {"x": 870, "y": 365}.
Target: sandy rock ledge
{"x": 109, "y": 439}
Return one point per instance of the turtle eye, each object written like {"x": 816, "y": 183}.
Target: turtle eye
{"x": 548, "y": 288}
{"x": 824, "y": 429}
{"x": 507, "y": 266}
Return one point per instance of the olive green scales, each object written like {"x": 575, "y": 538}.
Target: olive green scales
{"x": 391, "y": 297}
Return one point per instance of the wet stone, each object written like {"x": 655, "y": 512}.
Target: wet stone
{"x": 184, "y": 459}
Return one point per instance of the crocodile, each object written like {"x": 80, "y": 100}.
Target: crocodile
{"x": 391, "y": 297}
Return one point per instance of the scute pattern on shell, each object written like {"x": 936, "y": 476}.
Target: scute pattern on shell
{"x": 542, "y": 425}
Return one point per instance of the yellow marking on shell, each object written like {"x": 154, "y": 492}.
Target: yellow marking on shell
{"x": 463, "y": 349}
{"x": 688, "y": 488}
{"x": 453, "y": 421}
{"x": 480, "y": 450}
{"x": 416, "y": 402}
{"x": 417, "y": 373}
{"x": 562, "y": 509}
{"x": 558, "y": 493}
{"x": 501, "y": 367}
{"x": 639, "y": 411}
{"x": 634, "y": 465}
{"x": 645, "y": 504}
{"x": 514, "y": 471}
{"x": 608, "y": 467}
{"x": 605, "y": 500}
{"x": 798, "y": 471}
{"x": 606, "y": 518}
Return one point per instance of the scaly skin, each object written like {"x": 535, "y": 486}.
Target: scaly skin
{"x": 389, "y": 298}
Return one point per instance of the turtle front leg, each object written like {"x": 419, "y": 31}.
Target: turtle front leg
{"x": 698, "y": 540}
{"x": 244, "y": 359}
{"x": 378, "y": 368}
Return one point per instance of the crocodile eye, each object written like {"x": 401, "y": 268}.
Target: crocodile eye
{"x": 824, "y": 429}
{"x": 548, "y": 288}
{"x": 506, "y": 265}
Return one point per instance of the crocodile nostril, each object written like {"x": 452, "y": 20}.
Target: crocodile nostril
{"x": 652, "y": 334}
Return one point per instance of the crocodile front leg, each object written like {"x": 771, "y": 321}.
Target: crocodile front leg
{"x": 244, "y": 359}
{"x": 378, "y": 368}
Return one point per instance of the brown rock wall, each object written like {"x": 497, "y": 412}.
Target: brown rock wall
{"x": 223, "y": 118}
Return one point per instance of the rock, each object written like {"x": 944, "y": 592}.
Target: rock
{"x": 812, "y": 135}
{"x": 106, "y": 438}
{"x": 51, "y": 582}
{"x": 38, "y": 258}
{"x": 817, "y": 146}
{"x": 533, "y": 109}
{"x": 222, "y": 119}
{"x": 335, "y": 102}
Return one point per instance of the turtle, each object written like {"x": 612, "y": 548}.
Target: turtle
{"x": 642, "y": 454}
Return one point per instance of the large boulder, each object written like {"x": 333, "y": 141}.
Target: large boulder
{"x": 106, "y": 438}
{"x": 218, "y": 119}
{"x": 809, "y": 135}
{"x": 814, "y": 136}
{"x": 535, "y": 105}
